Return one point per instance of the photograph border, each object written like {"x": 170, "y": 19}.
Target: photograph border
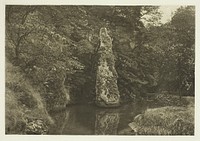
{"x": 99, "y": 137}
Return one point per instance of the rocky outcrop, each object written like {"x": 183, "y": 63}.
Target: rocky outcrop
{"x": 107, "y": 94}
{"x": 36, "y": 126}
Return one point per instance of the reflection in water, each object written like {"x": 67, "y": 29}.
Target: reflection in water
{"x": 90, "y": 120}
{"x": 62, "y": 118}
{"x": 106, "y": 123}
{"x": 74, "y": 120}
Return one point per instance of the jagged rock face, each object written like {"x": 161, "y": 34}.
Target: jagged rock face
{"x": 107, "y": 94}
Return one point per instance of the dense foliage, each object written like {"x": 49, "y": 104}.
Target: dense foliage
{"x": 56, "y": 47}
{"x": 174, "y": 44}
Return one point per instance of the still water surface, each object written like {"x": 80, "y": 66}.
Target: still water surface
{"x": 92, "y": 120}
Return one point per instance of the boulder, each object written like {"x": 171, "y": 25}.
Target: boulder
{"x": 36, "y": 126}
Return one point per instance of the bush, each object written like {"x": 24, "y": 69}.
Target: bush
{"x": 161, "y": 100}
{"x": 23, "y": 102}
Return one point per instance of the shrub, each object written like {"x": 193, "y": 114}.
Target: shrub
{"x": 23, "y": 102}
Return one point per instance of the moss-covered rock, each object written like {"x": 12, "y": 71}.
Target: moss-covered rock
{"x": 169, "y": 120}
{"x": 36, "y": 126}
{"x": 107, "y": 94}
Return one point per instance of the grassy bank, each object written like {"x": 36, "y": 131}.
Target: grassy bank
{"x": 24, "y": 104}
{"x": 167, "y": 120}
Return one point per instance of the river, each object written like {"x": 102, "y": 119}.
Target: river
{"x": 93, "y": 120}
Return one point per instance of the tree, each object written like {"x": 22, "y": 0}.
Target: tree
{"x": 173, "y": 42}
{"x": 183, "y": 24}
{"x": 17, "y": 26}
{"x": 59, "y": 44}
{"x": 43, "y": 53}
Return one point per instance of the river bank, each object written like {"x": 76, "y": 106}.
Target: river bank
{"x": 172, "y": 117}
{"x": 25, "y": 108}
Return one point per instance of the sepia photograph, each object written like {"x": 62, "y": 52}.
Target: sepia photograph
{"x": 123, "y": 70}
